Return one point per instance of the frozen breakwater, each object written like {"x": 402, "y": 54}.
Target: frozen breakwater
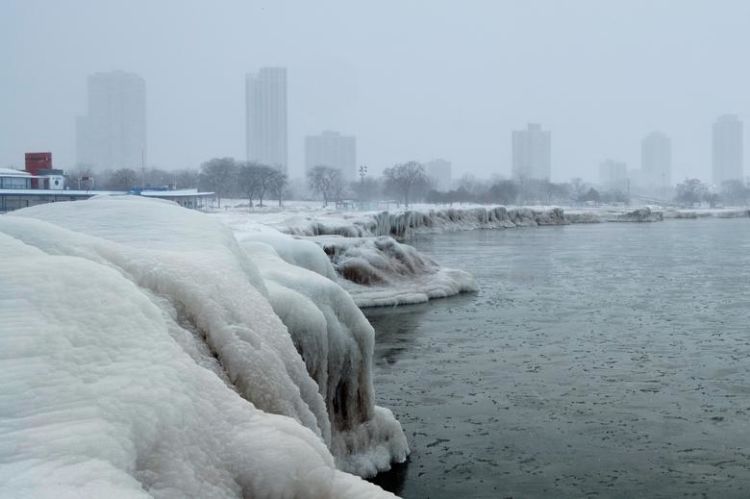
{"x": 400, "y": 224}
{"x": 148, "y": 353}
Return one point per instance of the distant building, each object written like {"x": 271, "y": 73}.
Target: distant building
{"x": 22, "y": 188}
{"x": 656, "y": 160}
{"x": 334, "y": 150}
{"x": 727, "y": 149}
{"x": 613, "y": 175}
{"x": 439, "y": 172}
{"x": 112, "y": 135}
{"x": 531, "y": 153}
{"x": 267, "y": 117}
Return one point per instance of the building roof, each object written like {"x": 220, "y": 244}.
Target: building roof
{"x": 10, "y": 172}
{"x": 177, "y": 193}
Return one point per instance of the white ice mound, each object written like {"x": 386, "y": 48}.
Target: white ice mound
{"x": 379, "y": 271}
{"x": 125, "y": 369}
{"x": 336, "y": 342}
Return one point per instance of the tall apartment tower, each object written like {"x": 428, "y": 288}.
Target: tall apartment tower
{"x": 531, "y": 153}
{"x": 439, "y": 173}
{"x": 334, "y": 150}
{"x": 112, "y": 135}
{"x": 613, "y": 175}
{"x": 727, "y": 149}
{"x": 656, "y": 160}
{"x": 267, "y": 117}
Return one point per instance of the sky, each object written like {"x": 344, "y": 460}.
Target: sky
{"x": 413, "y": 80}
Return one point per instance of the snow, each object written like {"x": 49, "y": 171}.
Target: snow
{"x": 147, "y": 353}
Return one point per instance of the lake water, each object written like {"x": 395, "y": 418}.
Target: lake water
{"x": 606, "y": 360}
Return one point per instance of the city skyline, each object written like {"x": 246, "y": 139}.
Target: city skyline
{"x": 399, "y": 106}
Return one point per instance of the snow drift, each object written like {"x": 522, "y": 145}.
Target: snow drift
{"x": 145, "y": 353}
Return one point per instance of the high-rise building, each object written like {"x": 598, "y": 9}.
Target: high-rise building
{"x": 267, "y": 117}
{"x": 727, "y": 149}
{"x": 439, "y": 173}
{"x": 613, "y": 175}
{"x": 656, "y": 160}
{"x": 531, "y": 153}
{"x": 112, "y": 135}
{"x": 334, "y": 150}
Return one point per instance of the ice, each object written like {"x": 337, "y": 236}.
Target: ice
{"x": 379, "y": 271}
{"x": 376, "y": 271}
{"x": 401, "y": 223}
{"x": 142, "y": 357}
{"x": 323, "y": 320}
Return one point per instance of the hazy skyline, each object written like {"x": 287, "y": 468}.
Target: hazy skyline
{"x": 410, "y": 80}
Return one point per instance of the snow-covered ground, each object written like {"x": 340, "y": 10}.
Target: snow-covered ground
{"x": 148, "y": 352}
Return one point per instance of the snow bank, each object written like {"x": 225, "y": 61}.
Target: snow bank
{"x": 145, "y": 331}
{"x": 379, "y": 271}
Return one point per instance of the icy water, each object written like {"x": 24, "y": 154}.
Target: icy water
{"x": 607, "y": 360}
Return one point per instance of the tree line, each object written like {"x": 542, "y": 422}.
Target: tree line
{"x": 403, "y": 183}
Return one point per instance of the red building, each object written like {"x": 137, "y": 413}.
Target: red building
{"x": 36, "y": 161}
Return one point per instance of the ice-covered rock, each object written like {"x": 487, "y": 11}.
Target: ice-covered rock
{"x": 151, "y": 336}
{"x": 644, "y": 214}
{"x": 379, "y": 271}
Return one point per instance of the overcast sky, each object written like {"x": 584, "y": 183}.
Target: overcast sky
{"x": 411, "y": 79}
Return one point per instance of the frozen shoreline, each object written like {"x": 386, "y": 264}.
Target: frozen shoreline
{"x": 377, "y": 270}
{"x": 310, "y": 219}
{"x": 151, "y": 354}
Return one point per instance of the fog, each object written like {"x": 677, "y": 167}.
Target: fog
{"x": 416, "y": 80}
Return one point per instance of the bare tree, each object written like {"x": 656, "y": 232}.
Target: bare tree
{"x": 185, "y": 179}
{"x": 691, "y": 192}
{"x": 277, "y": 182}
{"x": 404, "y": 179}
{"x": 326, "y": 181}
{"x": 255, "y": 180}
{"x": 123, "y": 179}
{"x": 219, "y": 175}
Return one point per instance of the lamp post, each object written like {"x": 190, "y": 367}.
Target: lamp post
{"x": 362, "y": 173}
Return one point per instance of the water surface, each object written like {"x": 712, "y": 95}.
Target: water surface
{"x": 607, "y": 360}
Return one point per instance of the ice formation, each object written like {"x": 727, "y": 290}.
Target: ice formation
{"x": 376, "y": 271}
{"x": 399, "y": 224}
{"x": 379, "y": 271}
{"x": 145, "y": 354}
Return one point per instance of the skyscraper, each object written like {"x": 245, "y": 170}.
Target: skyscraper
{"x": 334, "y": 150}
{"x": 531, "y": 153}
{"x": 613, "y": 175}
{"x": 727, "y": 149}
{"x": 439, "y": 173}
{"x": 266, "y": 117}
{"x": 656, "y": 160}
{"x": 112, "y": 135}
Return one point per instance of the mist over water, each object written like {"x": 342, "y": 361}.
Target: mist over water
{"x": 608, "y": 360}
